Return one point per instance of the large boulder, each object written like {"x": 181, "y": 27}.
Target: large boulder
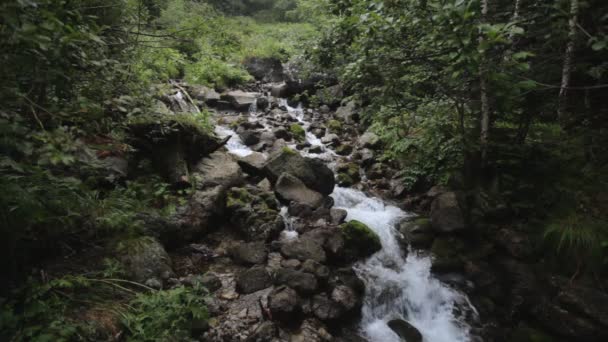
{"x": 360, "y": 240}
{"x": 290, "y": 188}
{"x": 254, "y": 213}
{"x": 302, "y": 282}
{"x": 284, "y": 303}
{"x": 265, "y": 69}
{"x": 253, "y": 164}
{"x": 313, "y": 173}
{"x": 447, "y": 214}
{"x": 145, "y": 260}
{"x": 405, "y": 330}
{"x": 173, "y": 145}
{"x": 253, "y": 279}
{"x": 207, "y": 95}
{"x": 348, "y": 113}
{"x": 218, "y": 169}
{"x": 240, "y": 100}
{"x": 331, "y": 96}
{"x": 249, "y": 253}
{"x": 369, "y": 140}
{"x": 417, "y": 232}
{"x": 304, "y": 248}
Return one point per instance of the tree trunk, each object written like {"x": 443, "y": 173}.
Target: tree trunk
{"x": 483, "y": 87}
{"x": 567, "y": 67}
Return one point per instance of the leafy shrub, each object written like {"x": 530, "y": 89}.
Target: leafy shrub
{"x": 165, "y": 315}
{"x": 216, "y": 73}
{"x": 159, "y": 64}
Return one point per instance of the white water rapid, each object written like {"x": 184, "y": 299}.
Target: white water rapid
{"x": 397, "y": 287}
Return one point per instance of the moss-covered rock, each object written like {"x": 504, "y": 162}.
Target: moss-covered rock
{"x": 254, "y": 213}
{"x": 448, "y": 254}
{"x": 350, "y": 169}
{"x": 298, "y": 132}
{"x": 344, "y": 149}
{"x": 344, "y": 179}
{"x": 334, "y": 125}
{"x": 360, "y": 240}
{"x": 144, "y": 259}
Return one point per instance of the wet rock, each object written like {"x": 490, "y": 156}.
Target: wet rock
{"x": 312, "y": 330}
{"x": 337, "y": 215}
{"x": 313, "y": 173}
{"x": 344, "y": 149}
{"x": 346, "y": 297}
{"x": 218, "y": 169}
{"x": 289, "y": 188}
{"x": 265, "y": 69}
{"x": 366, "y": 156}
{"x": 211, "y": 282}
{"x": 319, "y": 270}
{"x": 562, "y": 322}
{"x": 447, "y": 253}
{"x": 284, "y": 304}
{"x": 291, "y": 263}
{"x": 250, "y": 138}
{"x": 303, "y": 283}
{"x": 405, "y": 330}
{"x": 325, "y": 309}
{"x": 282, "y": 133}
{"x": 316, "y": 149}
{"x": 446, "y": 213}
{"x": 267, "y": 331}
{"x": 303, "y": 248}
{"x": 369, "y": 140}
{"x": 331, "y": 96}
{"x": 144, "y": 259}
{"x": 254, "y": 213}
{"x": 280, "y": 90}
{"x": 348, "y": 113}
{"x": 240, "y": 100}
{"x": 418, "y": 232}
{"x": 253, "y": 164}
{"x": 249, "y": 253}
{"x": 331, "y": 139}
{"x": 360, "y": 240}
{"x": 207, "y": 95}
{"x": 252, "y": 280}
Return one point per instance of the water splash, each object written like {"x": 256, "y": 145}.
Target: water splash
{"x": 399, "y": 287}
{"x": 235, "y": 144}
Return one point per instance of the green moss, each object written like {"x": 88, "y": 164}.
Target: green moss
{"x": 238, "y": 197}
{"x": 344, "y": 150}
{"x": 334, "y": 125}
{"x": 288, "y": 150}
{"x": 344, "y": 179}
{"x": 360, "y": 237}
{"x": 298, "y": 132}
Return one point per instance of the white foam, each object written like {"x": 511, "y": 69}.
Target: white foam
{"x": 398, "y": 287}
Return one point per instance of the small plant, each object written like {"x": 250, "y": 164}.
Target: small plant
{"x": 298, "y": 132}
{"x": 165, "y": 315}
{"x": 579, "y": 238}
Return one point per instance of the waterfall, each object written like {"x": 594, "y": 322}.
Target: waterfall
{"x": 397, "y": 287}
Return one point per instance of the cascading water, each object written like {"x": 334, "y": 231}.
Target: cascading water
{"x": 397, "y": 287}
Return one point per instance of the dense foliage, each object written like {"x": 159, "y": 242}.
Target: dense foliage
{"x": 81, "y": 72}
{"x": 504, "y": 96}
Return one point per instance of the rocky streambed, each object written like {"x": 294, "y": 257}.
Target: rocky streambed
{"x": 302, "y": 233}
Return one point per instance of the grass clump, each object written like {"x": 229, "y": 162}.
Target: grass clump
{"x": 298, "y": 132}
{"x": 165, "y": 315}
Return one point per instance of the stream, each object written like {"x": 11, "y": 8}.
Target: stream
{"x": 397, "y": 286}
